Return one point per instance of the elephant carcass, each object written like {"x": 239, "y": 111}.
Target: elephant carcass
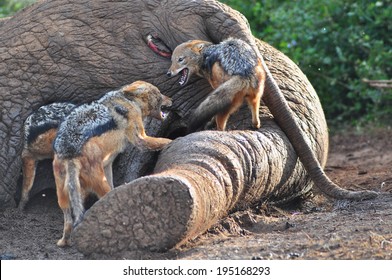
{"x": 76, "y": 51}
{"x": 203, "y": 176}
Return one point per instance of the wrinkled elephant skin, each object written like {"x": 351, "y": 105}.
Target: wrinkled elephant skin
{"x": 78, "y": 50}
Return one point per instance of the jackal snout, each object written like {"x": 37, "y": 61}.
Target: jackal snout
{"x": 148, "y": 96}
{"x": 166, "y": 101}
{"x": 175, "y": 69}
{"x": 160, "y": 111}
{"x": 166, "y": 104}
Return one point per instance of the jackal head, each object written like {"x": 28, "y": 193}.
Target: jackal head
{"x": 151, "y": 100}
{"x": 187, "y": 59}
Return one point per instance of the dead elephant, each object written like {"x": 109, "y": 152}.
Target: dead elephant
{"x": 76, "y": 51}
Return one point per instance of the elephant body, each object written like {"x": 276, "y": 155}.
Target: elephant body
{"x": 78, "y": 50}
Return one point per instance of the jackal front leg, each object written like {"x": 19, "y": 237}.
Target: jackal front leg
{"x": 151, "y": 143}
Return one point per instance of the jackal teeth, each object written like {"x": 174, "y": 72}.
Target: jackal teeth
{"x": 184, "y": 76}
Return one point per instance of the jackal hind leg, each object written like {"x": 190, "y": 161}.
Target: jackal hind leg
{"x": 29, "y": 169}
{"x": 254, "y": 106}
{"x": 65, "y": 239}
{"x": 63, "y": 201}
{"x": 101, "y": 183}
{"x": 253, "y": 99}
{"x": 64, "y": 204}
{"x": 222, "y": 117}
{"x": 109, "y": 175}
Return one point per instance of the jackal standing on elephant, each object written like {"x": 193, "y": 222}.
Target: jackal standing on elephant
{"x": 233, "y": 70}
{"x": 91, "y": 137}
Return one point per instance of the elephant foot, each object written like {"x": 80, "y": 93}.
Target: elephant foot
{"x": 150, "y": 214}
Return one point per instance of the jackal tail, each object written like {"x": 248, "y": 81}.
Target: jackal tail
{"x": 74, "y": 191}
{"x": 220, "y": 100}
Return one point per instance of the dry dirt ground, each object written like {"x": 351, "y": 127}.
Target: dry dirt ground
{"x": 317, "y": 229}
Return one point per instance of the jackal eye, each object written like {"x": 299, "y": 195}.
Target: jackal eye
{"x": 181, "y": 59}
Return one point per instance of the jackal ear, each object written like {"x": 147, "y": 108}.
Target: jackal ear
{"x": 134, "y": 88}
{"x": 199, "y": 47}
{"x": 139, "y": 89}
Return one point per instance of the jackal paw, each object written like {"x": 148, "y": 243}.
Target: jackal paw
{"x": 22, "y": 206}
{"x": 63, "y": 242}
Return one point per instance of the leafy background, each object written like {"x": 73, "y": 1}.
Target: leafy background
{"x": 336, "y": 43}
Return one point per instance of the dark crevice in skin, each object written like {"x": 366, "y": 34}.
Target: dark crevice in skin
{"x": 158, "y": 46}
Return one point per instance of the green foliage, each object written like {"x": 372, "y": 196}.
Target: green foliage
{"x": 336, "y": 43}
{"x": 9, "y": 7}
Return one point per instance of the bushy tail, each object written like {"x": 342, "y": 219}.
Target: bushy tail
{"x": 74, "y": 192}
{"x": 217, "y": 101}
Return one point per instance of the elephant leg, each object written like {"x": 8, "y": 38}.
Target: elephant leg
{"x": 147, "y": 222}
{"x": 29, "y": 169}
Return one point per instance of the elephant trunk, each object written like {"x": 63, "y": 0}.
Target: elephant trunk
{"x": 279, "y": 108}
{"x": 198, "y": 180}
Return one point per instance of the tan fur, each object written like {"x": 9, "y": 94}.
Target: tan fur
{"x": 94, "y": 166}
{"x": 39, "y": 150}
{"x": 39, "y": 131}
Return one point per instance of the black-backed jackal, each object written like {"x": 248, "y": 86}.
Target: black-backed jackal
{"x": 233, "y": 70}
{"x": 91, "y": 137}
{"x": 40, "y": 129}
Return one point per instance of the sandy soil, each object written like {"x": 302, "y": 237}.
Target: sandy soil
{"x": 315, "y": 229}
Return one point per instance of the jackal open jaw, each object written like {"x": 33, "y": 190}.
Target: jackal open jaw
{"x": 184, "y": 76}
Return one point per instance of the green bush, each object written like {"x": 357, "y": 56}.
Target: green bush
{"x": 336, "y": 43}
{"x": 9, "y": 7}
